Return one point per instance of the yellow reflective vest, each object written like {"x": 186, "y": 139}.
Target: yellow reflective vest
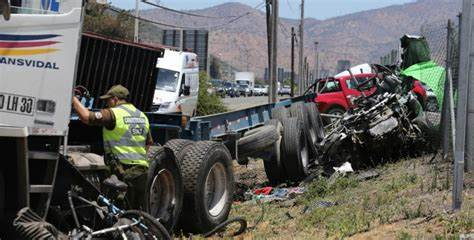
{"x": 127, "y": 141}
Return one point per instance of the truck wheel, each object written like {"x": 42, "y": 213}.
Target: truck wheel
{"x": 179, "y": 148}
{"x": 258, "y": 139}
{"x": 294, "y": 149}
{"x": 165, "y": 187}
{"x": 300, "y": 111}
{"x": 273, "y": 165}
{"x": 208, "y": 186}
{"x": 316, "y": 120}
{"x": 280, "y": 113}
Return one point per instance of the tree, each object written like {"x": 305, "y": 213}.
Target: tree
{"x": 99, "y": 19}
{"x": 208, "y": 103}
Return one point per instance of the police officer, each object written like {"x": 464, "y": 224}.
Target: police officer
{"x": 126, "y": 138}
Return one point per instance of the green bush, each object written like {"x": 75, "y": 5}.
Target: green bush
{"x": 208, "y": 103}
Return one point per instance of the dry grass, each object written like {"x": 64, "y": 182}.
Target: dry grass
{"x": 410, "y": 200}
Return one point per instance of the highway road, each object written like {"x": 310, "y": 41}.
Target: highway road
{"x": 233, "y": 104}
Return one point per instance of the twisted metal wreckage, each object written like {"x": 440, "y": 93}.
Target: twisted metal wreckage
{"x": 385, "y": 125}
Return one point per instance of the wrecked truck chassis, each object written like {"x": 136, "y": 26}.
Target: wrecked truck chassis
{"x": 362, "y": 135}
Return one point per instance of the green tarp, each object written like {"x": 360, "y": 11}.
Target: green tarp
{"x": 431, "y": 74}
{"x": 415, "y": 50}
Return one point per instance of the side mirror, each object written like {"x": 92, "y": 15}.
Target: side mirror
{"x": 5, "y": 9}
{"x": 186, "y": 90}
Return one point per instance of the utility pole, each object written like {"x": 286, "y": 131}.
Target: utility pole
{"x": 181, "y": 40}
{"x": 275, "y": 11}
{"x": 316, "y": 61}
{"x": 465, "y": 67}
{"x": 301, "y": 42}
{"x": 293, "y": 37}
{"x": 268, "y": 12}
{"x": 137, "y": 15}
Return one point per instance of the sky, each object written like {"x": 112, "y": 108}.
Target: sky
{"x": 319, "y": 9}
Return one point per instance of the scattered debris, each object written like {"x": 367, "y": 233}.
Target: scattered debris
{"x": 344, "y": 168}
{"x": 270, "y": 194}
{"x": 367, "y": 175}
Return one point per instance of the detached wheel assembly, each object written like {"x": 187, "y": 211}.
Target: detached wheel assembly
{"x": 280, "y": 113}
{"x": 316, "y": 121}
{"x": 294, "y": 149}
{"x": 273, "y": 165}
{"x": 300, "y": 110}
{"x": 208, "y": 186}
{"x": 165, "y": 198}
{"x": 258, "y": 139}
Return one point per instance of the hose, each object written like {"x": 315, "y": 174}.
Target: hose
{"x": 240, "y": 220}
{"x": 243, "y": 224}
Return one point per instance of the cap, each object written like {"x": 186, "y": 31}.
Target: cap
{"x": 116, "y": 91}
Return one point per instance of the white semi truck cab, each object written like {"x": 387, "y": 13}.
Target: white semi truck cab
{"x": 177, "y": 83}
{"x": 38, "y": 53}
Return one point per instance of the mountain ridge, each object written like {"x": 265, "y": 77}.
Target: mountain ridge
{"x": 359, "y": 37}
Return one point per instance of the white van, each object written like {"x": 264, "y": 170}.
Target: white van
{"x": 177, "y": 83}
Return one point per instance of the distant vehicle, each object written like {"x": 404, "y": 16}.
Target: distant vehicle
{"x": 246, "y": 78}
{"x": 218, "y": 87}
{"x": 285, "y": 90}
{"x": 266, "y": 90}
{"x": 432, "y": 99}
{"x": 335, "y": 94}
{"x": 177, "y": 83}
{"x": 231, "y": 89}
{"x": 244, "y": 90}
{"x": 259, "y": 90}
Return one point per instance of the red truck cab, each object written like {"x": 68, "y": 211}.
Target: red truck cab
{"x": 335, "y": 94}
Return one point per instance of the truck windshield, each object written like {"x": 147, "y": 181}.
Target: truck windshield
{"x": 167, "y": 80}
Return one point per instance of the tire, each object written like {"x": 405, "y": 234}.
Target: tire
{"x": 294, "y": 150}
{"x": 206, "y": 166}
{"x": 280, "y": 113}
{"x": 179, "y": 148}
{"x": 165, "y": 184}
{"x": 258, "y": 139}
{"x": 154, "y": 227}
{"x": 273, "y": 165}
{"x": 333, "y": 111}
{"x": 300, "y": 111}
{"x": 316, "y": 120}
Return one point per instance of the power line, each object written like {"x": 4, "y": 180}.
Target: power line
{"x": 182, "y": 12}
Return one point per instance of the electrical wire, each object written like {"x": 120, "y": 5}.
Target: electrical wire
{"x": 184, "y": 27}
{"x": 184, "y": 13}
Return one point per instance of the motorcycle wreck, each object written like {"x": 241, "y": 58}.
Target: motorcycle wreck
{"x": 384, "y": 126}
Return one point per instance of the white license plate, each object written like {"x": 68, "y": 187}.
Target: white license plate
{"x": 17, "y": 104}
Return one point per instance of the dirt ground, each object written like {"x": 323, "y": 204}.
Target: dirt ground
{"x": 410, "y": 199}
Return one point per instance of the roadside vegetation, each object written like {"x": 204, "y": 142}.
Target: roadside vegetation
{"x": 208, "y": 103}
{"x": 410, "y": 199}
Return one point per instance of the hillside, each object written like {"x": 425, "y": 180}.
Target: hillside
{"x": 359, "y": 37}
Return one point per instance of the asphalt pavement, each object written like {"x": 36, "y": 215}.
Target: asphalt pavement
{"x": 245, "y": 102}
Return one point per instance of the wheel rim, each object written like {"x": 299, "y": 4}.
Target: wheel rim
{"x": 162, "y": 195}
{"x": 215, "y": 189}
{"x": 337, "y": 113}
{"x": 304, "y": 153}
